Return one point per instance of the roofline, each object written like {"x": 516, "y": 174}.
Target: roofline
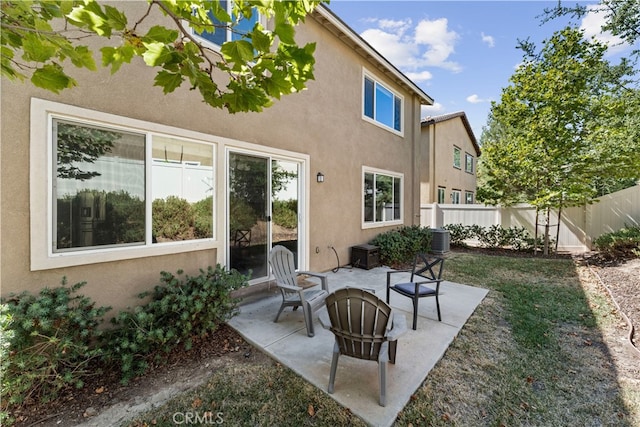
{"x": 337, "y": 26}
{"x": 428, "y": 121}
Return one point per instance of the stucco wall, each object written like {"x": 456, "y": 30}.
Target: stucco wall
{"x": 323, "y": 122}
{"x": 439, "y": 140}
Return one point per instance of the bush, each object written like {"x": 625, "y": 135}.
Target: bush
{"x": 624, "y": 243}
{"x": 172, "y": 219}
{"x": 401, "y": 245}
{"x": 177, "y": 311}
{"x": 203, "y": 218}
{"x": 494, "y": 237}
{"x": 47, "y": 342}
{"x": 285, "y": 213}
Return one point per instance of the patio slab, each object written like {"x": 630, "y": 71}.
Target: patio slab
{"x": 356, "y": 385}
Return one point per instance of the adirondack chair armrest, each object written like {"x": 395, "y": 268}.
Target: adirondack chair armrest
{"x": 324, "y": 279}
{"x": 289, "y": 287}
{"x": 324, "y": 320}
{"x": 398, "y": 328}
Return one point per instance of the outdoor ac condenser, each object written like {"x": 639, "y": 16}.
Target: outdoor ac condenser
{"x": 440, "y": 241}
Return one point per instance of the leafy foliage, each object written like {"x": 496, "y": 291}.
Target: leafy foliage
{"x": 621, "y": 244}
{"x": 78, "y": 144}
{"x": 401, "y": 245}
{"x": 493, "y": 237}
{"x": 177, "y": 311}
{"x": 47, "y": 342}
{"x": 285, "y": 213}
{"x": 38, "y": 37}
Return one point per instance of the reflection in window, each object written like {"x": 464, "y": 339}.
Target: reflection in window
{"x": 456, "y": 157}
{"x": 382, "y": 197}
{"x": 182, "y": 190}
{"x": 382, "y": 105}
{"x": 99, "y": 187}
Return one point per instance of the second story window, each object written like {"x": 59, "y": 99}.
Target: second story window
{"x": 223, "y": 32}
{"x": 456, "y": 158}
{"x": 441, "y": 191}
{"x": 382, "y": 105}
{"x": 468, "y": 163}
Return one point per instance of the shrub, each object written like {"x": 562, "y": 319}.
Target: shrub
{"x": 400, "y": 245}
{"x": 494, "y": 237}
{"x": 458, "y": 233}
{"x": 48, "y": 341}
{"x": 178, "y": 310}
{"x": 624, "y": 243}
{"x": 285, "y": 213}
{"x": 203, "y": 218}
{"x": 172, "y": 219}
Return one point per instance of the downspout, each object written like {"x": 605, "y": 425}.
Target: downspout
{"x": 415, "y": 182}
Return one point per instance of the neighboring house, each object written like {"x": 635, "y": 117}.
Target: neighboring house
{"x": 450, "y": 160}
{"x": 108, "y": 220}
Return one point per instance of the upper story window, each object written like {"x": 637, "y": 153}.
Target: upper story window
{"x": 457, "y": 154}
{"x": 223, "y": 32}
{"x": 381, "y": 104}
{"x": 468, "y": 163}
{"x": 382, "y": 198}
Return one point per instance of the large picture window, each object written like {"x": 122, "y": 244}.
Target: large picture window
{"x": 101, "y": 182}
{"x": 382, "y": 105}
{"x": 382, "y": 198}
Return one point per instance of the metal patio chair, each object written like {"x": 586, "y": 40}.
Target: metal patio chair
{"x": 426, "y": 270}
{"x": 311, "y": 300}
{"x": 365, "y": 328}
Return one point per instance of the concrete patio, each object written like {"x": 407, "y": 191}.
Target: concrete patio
{"x": 356, "y": 385}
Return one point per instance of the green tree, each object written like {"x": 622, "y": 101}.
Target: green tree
{"x": 560, "y": 127}
{"x": 40, "y": 37}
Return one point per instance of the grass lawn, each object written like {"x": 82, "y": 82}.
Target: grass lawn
{"x": 534, "y": 353}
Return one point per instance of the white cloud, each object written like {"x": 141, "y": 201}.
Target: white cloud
{"x": 489, "y": 40}
{"x": 421, "y": 76}
{"x": 475, "y": 99}
{"x": 431, "y": 110}
{"x": 430, "y": 44}
{"x": 592, "y": 26}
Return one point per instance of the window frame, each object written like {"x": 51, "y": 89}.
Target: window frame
{"x": 376, "y": 172}
{"x": 441, "y": 195}
{"x": 468, "y": 163}
{"x": 468, "y": 198}
{"x": 398, "y": 99}
{"x": 228, "y": 31}
{"x": 41, "y": 173}
{"x": 456, "y": 197}
{"x": 457, "y": 150}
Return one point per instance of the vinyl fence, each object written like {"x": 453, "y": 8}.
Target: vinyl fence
{"x": 578, "y": 228}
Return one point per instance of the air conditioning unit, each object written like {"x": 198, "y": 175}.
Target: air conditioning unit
{"x": 440, "y": 241}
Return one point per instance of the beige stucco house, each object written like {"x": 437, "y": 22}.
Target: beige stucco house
{"x": 452, "y": 152}
{"x": 106, "y": 220}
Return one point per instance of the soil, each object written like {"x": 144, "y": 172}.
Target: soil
{"x": 104, "y": 399}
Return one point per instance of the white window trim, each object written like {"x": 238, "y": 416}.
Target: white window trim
{"x": 455, "y": 147}
{"x": 467, "y": 156}
{"x": 41, "y": 187}
{"x": 366, "y": 225}
{"x": 459, "y": 193}
{"x": 216, "y": 47}
{"x": 366, "y": 73}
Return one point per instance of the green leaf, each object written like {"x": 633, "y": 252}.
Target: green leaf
{"x": 116, "y": 56}
{"x": 92, "y": 17}
{"x": 36, "y": 49}
{"x": 117, "y": 19}
{"x": 156, "y": 54}
{"x": 237, "y": 51}
{"x": 161, "y": 34}
{"x": 52, "y": 77}
{"x": 168, "y": 81}
{"x": 83, "y": 57}
{"x": 285, "y": 33}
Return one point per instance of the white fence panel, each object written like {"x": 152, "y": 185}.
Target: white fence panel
{"x": 580, "y": 225}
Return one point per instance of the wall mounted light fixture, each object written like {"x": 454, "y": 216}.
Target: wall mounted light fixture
{"x": 320, "y": 177}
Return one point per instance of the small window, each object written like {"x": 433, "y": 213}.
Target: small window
{"x": 441, "y": 192}
{"x": 456, "y": 157}
{"x": 382, "y": 105}
{"x": 468, "y": 197}
{"x": 223, "y": 32}
{"x": 382, "y": 199}
{"x": 455, "y": 197}
{"x": 468, "y": 163}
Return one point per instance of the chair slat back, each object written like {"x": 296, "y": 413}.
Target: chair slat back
{"x": 427, "y": 267}
{"x": 283, "y": 266}
{"x": 359, "y": 320}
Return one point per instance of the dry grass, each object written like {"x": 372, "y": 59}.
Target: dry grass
{"x": 533, "y": 354}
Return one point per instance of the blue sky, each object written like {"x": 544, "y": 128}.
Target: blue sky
{"x": 461, "y": 53}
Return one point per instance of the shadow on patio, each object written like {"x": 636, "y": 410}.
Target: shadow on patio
{"x": 356, "y": 385}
